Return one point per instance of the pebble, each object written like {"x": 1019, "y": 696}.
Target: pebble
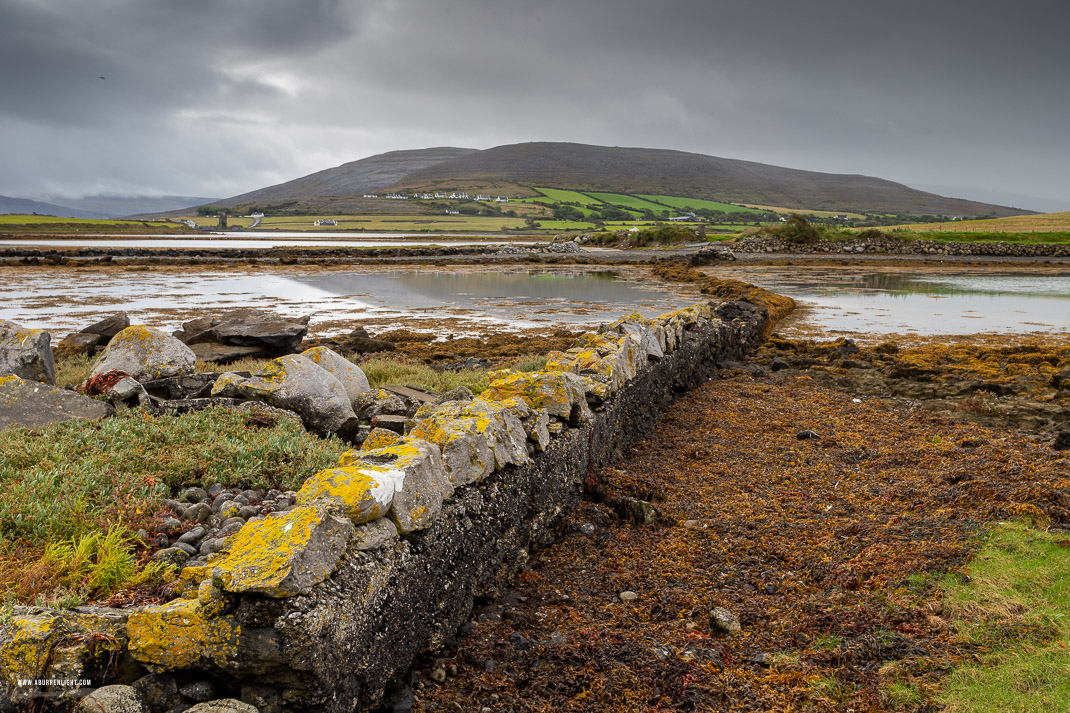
{"x": 724, "y": 621}
{"x": 233, "y": 521}
{"x": 215, "y": 489}
{"x": 628, "y": 596}
{"x": 172, "y": 555}
{"x": 198, "y": 512}
{"x": 248, "y": 511}
{"x": 188, "y": 549}
{"x": 211, "y": 546}
{"x": 230, "y": 509}
{"x": 438, "y": 675}
{"x": 198, "y": 690}
{"x": 193, "y": 495}
{"x": 170, "y": 523}
{"x": 193, "y": 536}
{"x": 489, "y": 665}
{"x": 807, "y": 435}
{"x": 587, "y": 528}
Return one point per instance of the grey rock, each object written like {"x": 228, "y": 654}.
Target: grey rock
{"x": 379, "y": 403}
{"x": 33, "y": 404}
{"x": 158, "y": 691}
{"x": 296, "y": 383}
{"x": 184, "y": 386}
{"x": 193, "y": 536}
{"x": 112, "y": 699}
{"x": 109, "y": 326}
{"x": 215, "y": 353}
{"x": 807, "y": 435}
{"x": 461, "y": 393}
{"x": 264, "y": 698}
{"x": 198, "y": 691}
{"x": 627, "y": 596}
{"x": 232, "y": 528}
{"x": 26, "y": 353}
{"x": 78, "y": 343}
{"x": 198, "y": 512}
{"x": 187, "y": 548}
{"x": 145, "y": 353}
{"x": 170, "y": 523}
{"x": 173, "y": 555}
{"x": 348, "y": 374}
{"x": 373, "y": 535}
{"x": 724, "y": 622}
{"x": 637, "y": 511}
{"x": 127, "y": 391}
{"x": 272, "y": 333}
{"x": 248, "y": 511}
{"x": 191, "y": 405}
{"x": 193, "y": 495}
{"x": 223, "y": 705}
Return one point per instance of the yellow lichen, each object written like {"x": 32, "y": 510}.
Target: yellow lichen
{"x": 380, "y": 438}
{"x": 179, "y": 634}
{"x": 363, "y": 495}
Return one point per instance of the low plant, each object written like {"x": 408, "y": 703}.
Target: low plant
{"x": 96, "y": 565}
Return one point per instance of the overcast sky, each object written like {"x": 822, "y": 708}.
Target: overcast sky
{"x": 218, "y": 97}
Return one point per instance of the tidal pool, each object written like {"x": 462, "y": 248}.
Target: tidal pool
{"x": 859, "y": 300}
{"x": 68, "y": 299}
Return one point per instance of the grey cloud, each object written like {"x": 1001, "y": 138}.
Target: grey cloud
{"x": 206, "y": 96}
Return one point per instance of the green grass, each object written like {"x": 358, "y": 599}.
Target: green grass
{"x": 696, "y": 203}
{"x": 623, "y": 201}
{"x": 98, "y": 564}
{"x": 395, "y": 372}
{"x": 1016, "y": 606}
{"x": 16, "y": 222}
{"x": 564, "y": 225}
{"x": 69, "y": 479}
{"x": 564, "y": 196}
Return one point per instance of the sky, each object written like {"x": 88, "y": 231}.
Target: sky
{"x": 219, "y": 97}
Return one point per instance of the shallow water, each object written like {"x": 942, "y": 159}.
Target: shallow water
{"x": 520, "y": 299}
{"x": 922, "y": 302}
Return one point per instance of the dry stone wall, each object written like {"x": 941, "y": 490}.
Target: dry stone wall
{"x": 321, "y": 607}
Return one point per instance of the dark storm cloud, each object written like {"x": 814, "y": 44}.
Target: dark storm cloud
{"x": 208, "y": 96}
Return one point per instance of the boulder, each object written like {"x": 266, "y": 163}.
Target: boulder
{"x": 381, "y": 402}
{"x": 296, "y": 383}
{"x": 184, "y": 386}
{"x": 145, "y": 354}
{"x": 349, "y": 374}
{"x": 78, "y": 343}
{"x": 94, "y": 337}
{"x": 476, "y": 438}
{"x": 26, "y": 353}
{"x": 561, "y": 393}
{"x": 286, "y": 553}
{"x": 108, "y": 327}
{"x": 112, "y": 699}
{"x": 272, "y": 334}
{"x": 32, "y": 404}
{"x": 223, "y": 705}
{"x": 421, "y": 484}
{"x": 216, "y": 353}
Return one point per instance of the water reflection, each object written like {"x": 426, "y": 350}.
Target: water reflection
{"x": 165, "y": 299}
{"x": 938, "y": 302}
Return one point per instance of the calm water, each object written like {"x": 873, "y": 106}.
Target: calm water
{"x": 936, "y": 302}
{"x": 520, "y": 299}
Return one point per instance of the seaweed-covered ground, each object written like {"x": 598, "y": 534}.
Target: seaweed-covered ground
{"x": 817, "y": 517}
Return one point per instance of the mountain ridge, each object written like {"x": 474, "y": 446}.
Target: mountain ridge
{"x": 517, "y": 168}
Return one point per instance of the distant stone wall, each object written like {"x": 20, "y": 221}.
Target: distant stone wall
{"x": 892, "y": 246}
{"x": 320, "y": 607}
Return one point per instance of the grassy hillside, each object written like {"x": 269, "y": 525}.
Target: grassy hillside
{"x": 638, "y": 171}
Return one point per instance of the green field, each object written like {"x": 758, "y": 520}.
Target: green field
{"x": 391, "y": 223}
{"x": 1029, "y": 238}
{"x": 563, "y": 196}
{"x": 632, "y": 202}
{"x": 695, "y": 204}
{"x": 564, "y": 225}
{"x": 17, "y": 222}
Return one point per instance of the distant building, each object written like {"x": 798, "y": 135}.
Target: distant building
{"x": 371, "y": 195}
{"x": 452, "y": 212}
{"x": 501, "y": 199}
{"x": 441, "y": 195}
{"x": 325, "y": 221}
{"x": 481, "y": 197}
{"x": 459, "y": 196}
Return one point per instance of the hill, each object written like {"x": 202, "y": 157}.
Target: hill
{"x": 26, "y": 206}
{"x": 340, "y": 189}
{"x": 677, "y": 173}
{"x": 516, "y": 169}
